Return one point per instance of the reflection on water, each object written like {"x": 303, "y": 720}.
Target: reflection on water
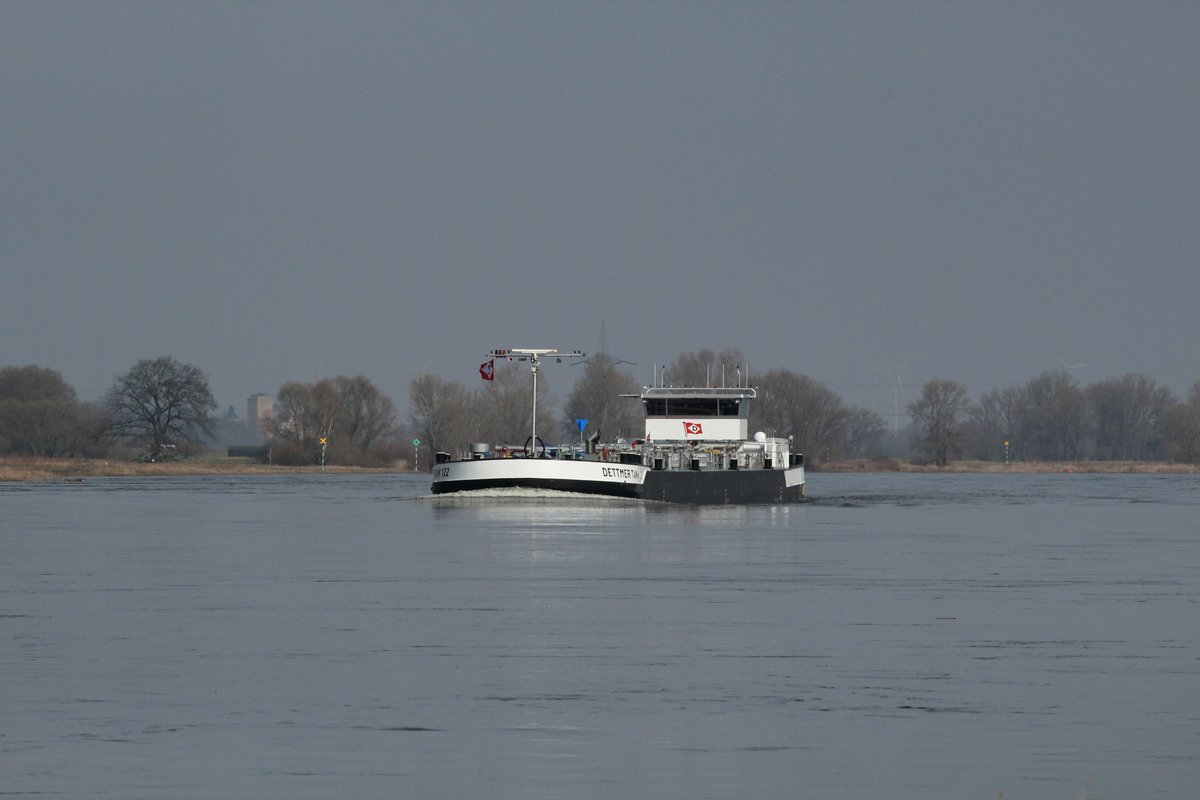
{"x": 317, "y": 636}
{"x": 539, "y": 507}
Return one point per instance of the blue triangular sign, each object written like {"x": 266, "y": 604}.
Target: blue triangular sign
{"x": 582, "y": 423}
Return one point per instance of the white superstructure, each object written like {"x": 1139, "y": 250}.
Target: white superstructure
{"x": 697, "y": 414}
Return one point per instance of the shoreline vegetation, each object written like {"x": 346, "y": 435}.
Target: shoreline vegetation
{"x": 1016, "y": 467}
{"x": 77, "y": 470}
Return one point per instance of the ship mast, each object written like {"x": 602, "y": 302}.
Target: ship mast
{"x": 534, "y": 357}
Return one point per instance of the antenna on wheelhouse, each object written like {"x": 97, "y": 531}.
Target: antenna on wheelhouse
{"x": 534, "y": 357}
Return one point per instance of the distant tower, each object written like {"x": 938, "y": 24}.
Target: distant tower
{"x": 259, "y": 408}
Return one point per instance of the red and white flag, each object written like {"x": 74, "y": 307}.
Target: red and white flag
{"x": 692, "y": 428}
{"x": 487, "y": 370}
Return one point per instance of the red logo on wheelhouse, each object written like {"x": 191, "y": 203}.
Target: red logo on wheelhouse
{"x": 692, "y": 428}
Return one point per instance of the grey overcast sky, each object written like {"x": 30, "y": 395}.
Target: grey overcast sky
{"x": 285, "y": 191}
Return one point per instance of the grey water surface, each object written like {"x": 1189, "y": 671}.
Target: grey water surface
{"x": 901, "y": 636}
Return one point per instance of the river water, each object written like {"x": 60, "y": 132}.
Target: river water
{"x": 901, "y": 636}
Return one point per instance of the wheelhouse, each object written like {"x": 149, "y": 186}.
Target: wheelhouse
{"x": 717, "y": 413}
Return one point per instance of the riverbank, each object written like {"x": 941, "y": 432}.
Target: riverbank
{"x": 1019, "y": 467}
{"x": 76, "y": 469}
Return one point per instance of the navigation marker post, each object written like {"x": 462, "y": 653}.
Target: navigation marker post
{"x": 324, "y": 442}
{"x": 416, "y": 455}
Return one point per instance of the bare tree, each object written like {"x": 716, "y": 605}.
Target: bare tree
{"x": 324, "y": 408}
{"x": 290, "y": 420}
{"x": 49, "y": 428}
{"x": 161, "y": 402}
{"x": 596, "y": 397}
{"x": 865, "y": 432}
{"x": 1183, "y": 427}
{"x": 1129, "y": 413}
{"x": 366, "y": 415}
{"x": 795, "y": 405}
{"x": 705, "y": 368}
{"x": 996, "y": 421}
{"x": 503, "y": 410}
{"x": 1056, "y": 420}
{"x": 33, "y": 383}
{"x": 937, "y": 419}
{"x": 40, "y": 415}
{"x": 438, "y": 412}
{"x": 350, "y": 414}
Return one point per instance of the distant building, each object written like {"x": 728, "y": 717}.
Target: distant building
{"x": 259, "y": 409}
{"x": 226, "y": 428}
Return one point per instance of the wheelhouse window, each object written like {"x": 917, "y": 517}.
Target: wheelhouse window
{"x": 692, "y": 407}
{"x": 656, "y": 407}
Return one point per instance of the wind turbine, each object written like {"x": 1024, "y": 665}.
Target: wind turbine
{"x": 1069, "y": 367}
{"x": 897, "y": 390}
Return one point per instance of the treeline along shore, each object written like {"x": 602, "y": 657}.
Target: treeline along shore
{"x": 27, "y": 468}
{"x": 162, "y": 410}
{"x": 79, "y": 470}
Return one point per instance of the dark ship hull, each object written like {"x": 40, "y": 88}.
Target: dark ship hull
{"x": 721, "y": 488}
